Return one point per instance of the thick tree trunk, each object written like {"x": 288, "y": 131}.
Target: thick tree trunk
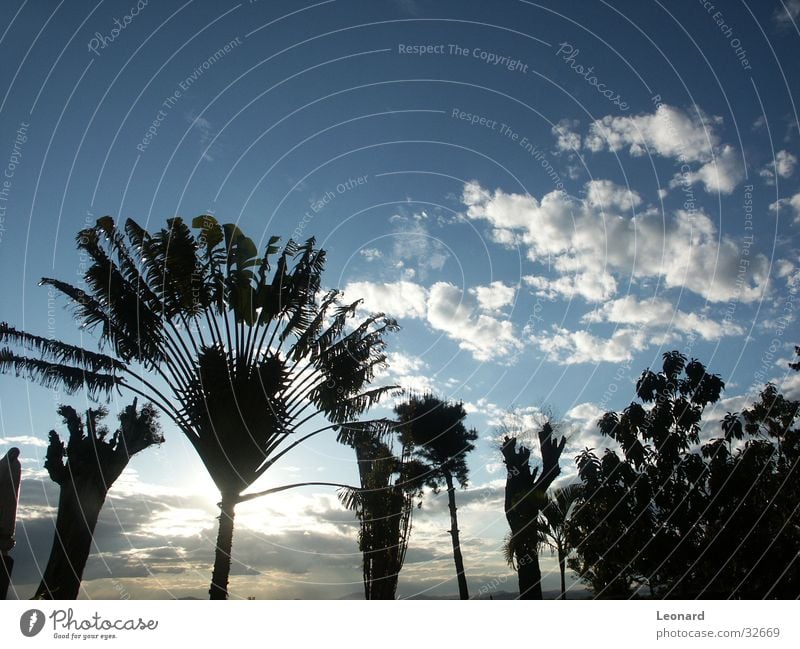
{"x": 6, "y": 567}
{"x": 79, "y": 505}
{"x": 222, "y": 557}
{"x": 562, "y": 566}
{"x": 530, "y": 576}
{"x": 463, "y": 593}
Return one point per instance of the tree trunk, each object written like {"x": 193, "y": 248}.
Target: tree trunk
{"x": 79, "y": 505}
{"x": 530, "y": 576}
{"x": 6, "y": 567}
{"x": 222, "y": 558}
{"x": 562, "y": 565}
{"x": 463, "y": 593}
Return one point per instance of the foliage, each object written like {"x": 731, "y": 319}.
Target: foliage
{"x": 525, "y": 497}
{"x": 434, "y": 430}
{"x": 684, "y": 518}
{"x": 251, "y": 352}
{"x": 383, "y": 504}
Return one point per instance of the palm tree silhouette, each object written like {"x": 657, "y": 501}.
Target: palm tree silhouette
{"x": 244, "y": 357}
{"x": 555, "y": 515}
{"x": 524, "y": 499}
{"x": 384, "y": 505}
{"x": 435, "y": 429}
{"x": 94, "y": 460}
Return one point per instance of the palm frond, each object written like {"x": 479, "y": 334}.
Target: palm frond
{"x": 51, "y": 375}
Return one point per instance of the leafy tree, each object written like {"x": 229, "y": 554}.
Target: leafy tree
{"x": 384, "y": 505}
{"x": 85, "y": 469}
{"x": 609, "y": 525}
{"x": 525, "y": 498}
{"x": 652, "y": 500}
{"x": 752, "y": 522}
{"x": 555, "y": 515}
{"x": 717, "y": 520}
{"x": 243, "y": 353}
{"x": 435, "y": 429}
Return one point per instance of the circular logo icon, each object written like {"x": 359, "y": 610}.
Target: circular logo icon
{"x": 31, "y": 622}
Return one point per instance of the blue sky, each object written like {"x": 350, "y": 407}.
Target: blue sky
{"x": 543, "y": 231}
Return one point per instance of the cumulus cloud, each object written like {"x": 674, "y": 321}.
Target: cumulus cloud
{"x": 25, "y": 440}
{"x": 721, "y": 174}
{"x": 658, "y": 314}
{"x": 591, "y": 286}
{"x": 484, "y": 335}
{"x": 790, "y": 205}
{"x": 495, "y": 296}
{"x": 783, "y": 165}
{"x": 567, "y": 139}
{"x": 669, "y": 132}
{"x": 572, "y": 347}
{"x": 467, "y": 317}
{"x": 586, "y": 245}
{"x": 398, "y": 299}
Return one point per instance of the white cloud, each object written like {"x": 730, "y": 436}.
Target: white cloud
{"x": 659, "y": 314}
{"x": 397, "y": 299}
{"x": 591, "y": 286}
{"x": 566, "y": 137}
{"x": 495, "y": 296}
{"x": 721, "y": 174}
{"x": 791, "y": 204}
{"x": 468, "y": 317}
{"x": 370, "y": 254}
{"x": 26, "y": 440}
{"x": 588, "y": 245}
{"x": 572, "y": 347}
{"x": 606, "y": 195}
{"x": 415, "y": 248}
{"x": 672, "y": 133}
{"x": 783, "y": 165}
{"x": 668, "y": 132}
{"x": 485, "y": 336}
{"x": 787, "y": 13}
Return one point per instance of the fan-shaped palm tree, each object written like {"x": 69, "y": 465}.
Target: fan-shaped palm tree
{"x": 555, "y": 515}
{"x": 243, "y": 353}
{"x": 94, "y": 460}
{"x": 435, "y": 429}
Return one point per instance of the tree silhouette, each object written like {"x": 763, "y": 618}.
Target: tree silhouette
{"x": 384, "y": 505}
{"x": 435, "y": 429}
{"x": 752, "y": 520}
{"x": 719, "y": 519}
{"x": 651, "y": 502}
{"x": 244, "y": 354}
{"x": 555, "y": 515}
{"x": 85, "y": 469}
{"x": 525, "y": 498}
